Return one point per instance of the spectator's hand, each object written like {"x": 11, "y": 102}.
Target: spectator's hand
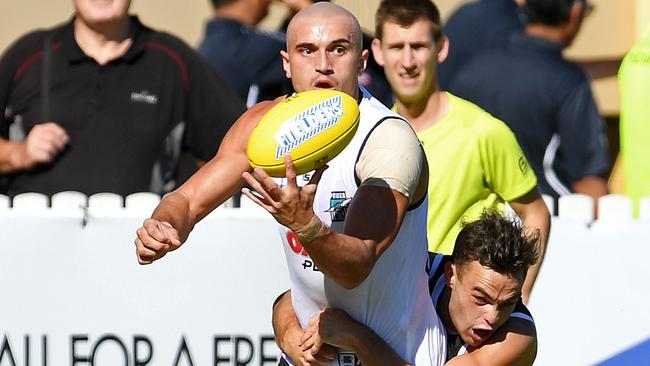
{"x": 155, "y": 239}
{"x": 291, "y": 348}
{"x": 291, "y": 205}
{"x": 43, "y": 143}
{"x": 329, "y": 327}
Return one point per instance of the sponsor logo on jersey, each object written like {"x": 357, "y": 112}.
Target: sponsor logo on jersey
{"x": 308, "y": 124}
{"x": 295, "y": 245}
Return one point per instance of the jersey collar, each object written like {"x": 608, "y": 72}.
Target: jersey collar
{"x": 74, "y": 54}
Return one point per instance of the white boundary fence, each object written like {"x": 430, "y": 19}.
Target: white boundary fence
{"x": 73, "y": 293}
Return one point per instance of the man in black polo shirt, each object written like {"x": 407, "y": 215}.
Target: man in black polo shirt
{"x": 544, "y": 99}
{"x": 101, "y": 99}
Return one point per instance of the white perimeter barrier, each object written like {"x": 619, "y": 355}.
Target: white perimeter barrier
{"x": 75, "y": 295}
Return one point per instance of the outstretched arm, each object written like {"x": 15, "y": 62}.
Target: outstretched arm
{"x": 174, "y": 218}
{"x": 535, "y": 216}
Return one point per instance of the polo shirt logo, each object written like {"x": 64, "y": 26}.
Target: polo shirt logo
{"x": 143, "y": 96}
{"x": 523, "y": 165}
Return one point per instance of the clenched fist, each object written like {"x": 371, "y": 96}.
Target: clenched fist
{"x": 155, "y": 239}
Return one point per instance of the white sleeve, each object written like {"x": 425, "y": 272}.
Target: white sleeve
{"x": 393, "y": 157}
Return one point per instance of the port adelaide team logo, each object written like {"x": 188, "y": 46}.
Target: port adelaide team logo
{"x": 339, "y": 203}
{"x": 348, "y": 359}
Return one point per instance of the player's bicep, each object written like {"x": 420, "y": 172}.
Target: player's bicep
{"x": 391, "y": 170}
{"x": 375, "y": 216}
{"x": 236, "y": 139}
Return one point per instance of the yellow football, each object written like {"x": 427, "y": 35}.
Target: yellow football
{"x": 312, "y": 127}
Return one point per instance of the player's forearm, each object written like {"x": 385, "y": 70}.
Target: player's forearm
{"x": 536, "y": 218}
{"x": 533, "y": 271}
{"x": 208, "y": 188}
{"x": 513, "y": 344}
{"x": 175, "y": 210}
{"x": 335, "y": 327}
{"x": 372, "y": 349}
{"x": 343, "y": 258}
{"x": 373, "y": 220}
{"x": 285, "y": 323}
{"x": 531, "y": 277}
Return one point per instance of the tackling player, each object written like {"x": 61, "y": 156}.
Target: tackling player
{"x": 477, "y": 293}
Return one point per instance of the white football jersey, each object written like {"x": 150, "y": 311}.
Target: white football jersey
{"x": 394, "y": 299}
